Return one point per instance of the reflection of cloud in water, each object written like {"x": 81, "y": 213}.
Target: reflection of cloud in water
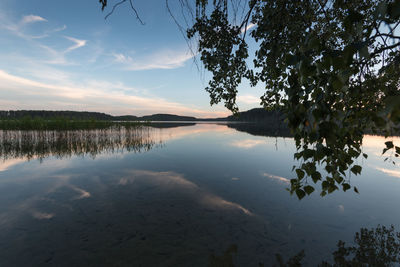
{"x": 82, "y": 193}
{"x": 392, "y": 173}
{"x": 277, "y": 178}
{"x": 176, "y": 182}
{"x": 167, "y": 134}
{"x": 247, "y": 143}
{"x": 221, "y": 203}
{"x": 6, "y": 164}
{"x": 42, "y": 215}
{"x": 376, "y": 142}
{"x": 19, "y": 146}
{"x": 123, "y": 181}
{"x": 43, "y": 197}
{"x": 341, "y": 208}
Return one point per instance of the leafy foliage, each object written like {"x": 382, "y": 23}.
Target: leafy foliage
{"x": 331, "y": 66}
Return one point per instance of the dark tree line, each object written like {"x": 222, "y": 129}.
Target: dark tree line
{"x": 72, "y": 115}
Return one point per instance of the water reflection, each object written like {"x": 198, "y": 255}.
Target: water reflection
{"x": 207, "y": 186}
{"x": 261, "y": 129}
{"x": 42, "y": 144}
{"x": 130, "y": 217}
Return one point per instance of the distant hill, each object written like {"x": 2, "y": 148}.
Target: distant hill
{"x": 85, "y": 115}
{"x": 257, "y": 115}
{"x": 166, "y": 117}
{"x": 125, "y": 118}
{"x": 47, "y": 114}
{"x": 254, "y": 115}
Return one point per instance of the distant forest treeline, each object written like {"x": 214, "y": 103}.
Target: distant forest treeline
{"x": 253, "y": 115}
{"x": 72, "y": 115}
{"x": 85, "y": 115}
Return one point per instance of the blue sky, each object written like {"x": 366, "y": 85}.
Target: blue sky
{"x": 63, "y": 55}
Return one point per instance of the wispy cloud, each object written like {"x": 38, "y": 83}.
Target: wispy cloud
{"x": 54, "y": 57}
{"x": 249, "y": 26}
{"x": 23, "y": 93}
{"x": 47, "y": 33}
{"x": 31, "y": 19}
{"x": 57, "y": 57}
{"x": 77, "y": 44}
{"x": 19, "y": 28}
{"x": 248, "y": 99}
{"x": 166, "y": 59}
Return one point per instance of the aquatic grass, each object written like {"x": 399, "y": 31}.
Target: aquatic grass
{"x": 62, "y": 123}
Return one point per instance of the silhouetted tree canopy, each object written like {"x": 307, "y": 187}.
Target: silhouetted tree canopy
{"x": 331, "y": 66}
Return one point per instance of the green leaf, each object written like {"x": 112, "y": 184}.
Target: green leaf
{"x": 389, "y": 144}
{"x": 291, "y": 60}
{"x": 325, "y": 185}
{"x": 381, "y": 9}
{"x": 332, "y": 188}
{"x": 356, "y": 169}
{"x": 337, "y": 84}
{"x": 300, "y": 193}
{"x": 364, "y": 52}
{"x": 346, "y": 187}
{"x": 316, "y": 176}
{"x": 308, "y": 153}
{"x": 300, "y": 173}
{"x": 309, "y": 189}
{"x": 356, "y": 190}
{"x": 338, "y": 179}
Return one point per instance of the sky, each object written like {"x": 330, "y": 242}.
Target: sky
{"x": 64, "y": 55}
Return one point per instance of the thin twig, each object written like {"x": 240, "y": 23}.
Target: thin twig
{"x": 132, "y": 7}
{"x": 113, "y": 8}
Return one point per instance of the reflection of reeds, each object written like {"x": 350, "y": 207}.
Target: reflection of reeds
{"x": 42, "y": 144}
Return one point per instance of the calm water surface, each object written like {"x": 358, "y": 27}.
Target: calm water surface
{"x": 173, "y": 197}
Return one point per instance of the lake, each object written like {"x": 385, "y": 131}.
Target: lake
{"x": 173, "y": 195}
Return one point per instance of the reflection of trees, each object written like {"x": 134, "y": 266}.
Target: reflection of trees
{"x": 260, "y": 129}
{"x": 373, "y": 247}
{"x": 162, "y": 125}
{"x": 379, "y": 246}
{"x": 41, "y": 144}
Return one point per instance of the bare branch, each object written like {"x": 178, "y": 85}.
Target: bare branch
{"x": 113, "y": 8}
{"x": 136, "y": 13}
{"x": 246, "y": 19}
{"x": 119, "y": 3}
{"x": 183, "y": 32}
